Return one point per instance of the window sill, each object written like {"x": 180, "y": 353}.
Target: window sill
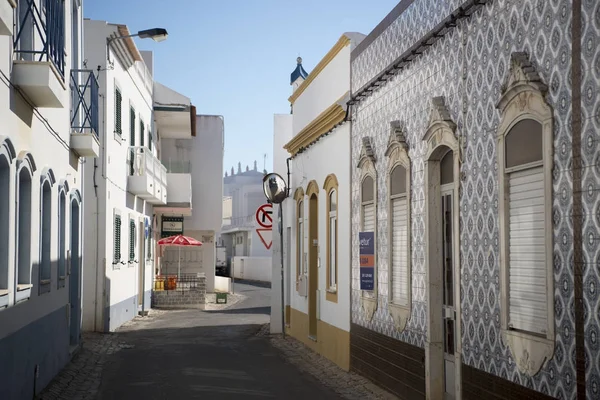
{"x": 61, "y": 281}
{"x": 4, "y": 296}
{"x": 118, "y": 138}
{"x": 400, "y": 315}
{"x": 529, "y": 352}
{"x": 23, "y": 292}
{"x": 331, "y": 295}
{"x": 369, "y": 305}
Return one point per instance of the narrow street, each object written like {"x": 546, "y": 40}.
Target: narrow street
{"x": 189, "y": 354}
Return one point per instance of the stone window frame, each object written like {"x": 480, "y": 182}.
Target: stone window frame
{"x": 299, "y": 198}
{"x": 523, "y": 97}
{"x": 397, "y": 153}
{"x": 7, "y": 151}
{"x": 25, "y": 163}
{"x": 331, "y": 185}
{"x": 440, "y": 136}
{"x": 47, "y": 179}
{"x": 366, "y": 164}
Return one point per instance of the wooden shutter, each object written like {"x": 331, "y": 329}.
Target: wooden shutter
{"x": 131, "y": 127}
{"x": 131, "y": 240}
{"x": 118, "y": 101}
{"x": 399, "y": 244}
{"x": 142, "y": 133}
{"x": 527, "y": 251}
{"x": 117, "y": 238}
{"x": 149, "y": 139}
{"x": 368, "y": 218}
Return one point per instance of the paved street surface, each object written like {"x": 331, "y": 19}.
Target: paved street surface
{"x": 188, "y": 354}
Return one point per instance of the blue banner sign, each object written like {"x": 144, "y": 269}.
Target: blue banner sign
{"x": 367, "y": 260}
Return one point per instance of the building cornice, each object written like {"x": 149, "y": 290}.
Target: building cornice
{"x": 325, "y": 122}
{"x": 341, "y": 44}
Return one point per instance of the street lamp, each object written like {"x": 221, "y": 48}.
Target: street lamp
{"x": 156, "y": 34}
{"x": 276, "y": 191}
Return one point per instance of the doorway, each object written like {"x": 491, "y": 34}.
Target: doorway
{"x": 313, "y": 269}
{"x": 448, "y": 309}
{"x": 141, "y": 265}
{"x": 75, "y": 277}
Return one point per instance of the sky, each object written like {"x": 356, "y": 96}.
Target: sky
{"x": 234, "y": 57}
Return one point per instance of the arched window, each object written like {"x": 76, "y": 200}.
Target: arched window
{"x": 62, "y": 233}
{"x": 526, "y": 256}
{"x": 331, "y": 188}
{"x": 45, "y": 266}
{"x": 7, "y": 154}
{"x": 399, "y": 236}
{"x": 25, "y": 169}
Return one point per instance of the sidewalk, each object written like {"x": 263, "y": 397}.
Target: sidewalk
{"x": 348, "y": 385}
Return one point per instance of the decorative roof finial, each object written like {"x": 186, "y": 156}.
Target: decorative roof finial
{"x": 299, "y": 72}
{"x": 239, "y": 167}
{"x": 247, "y": 168}
{"x": 232, "y": 172}
{"x": 299, "y": 60}
{"x": 255, "y": 165}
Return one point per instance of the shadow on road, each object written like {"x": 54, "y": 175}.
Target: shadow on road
{"x": 252, "y": 283}
{"x": 250, "y": 310}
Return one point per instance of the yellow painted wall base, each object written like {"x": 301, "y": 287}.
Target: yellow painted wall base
{"x": 332, "y": 342}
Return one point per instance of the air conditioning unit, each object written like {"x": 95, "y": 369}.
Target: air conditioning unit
{"x": 303, "y": 285}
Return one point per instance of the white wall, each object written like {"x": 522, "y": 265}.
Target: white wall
{"x": 252, "y": 268}
{"x": 222, "y": 284}
{"x": 207, "y": 176}
{"x": 120, "y": 281}
{"x": 48, "y": 143}
{"x": 282, "y": 133}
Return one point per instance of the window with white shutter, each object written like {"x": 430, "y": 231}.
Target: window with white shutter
{"x": 399, "y": 236}
{"x": 332, "y": 240}
{"x": 527, "y": 294}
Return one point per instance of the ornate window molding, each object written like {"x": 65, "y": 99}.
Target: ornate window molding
{"x": 366, "y": 164}
{"x": 397, "y": 153}
{"x": 299, "y": 197}
{"x": 441, "y": 138}
{"x": 331, "y": 187}
{"x": 523, "y": 99}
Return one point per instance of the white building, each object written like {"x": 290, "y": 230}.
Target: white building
{"x": 123, "y": 185}
{"x": 198, "y": 160}
{"x": 239, "y": 235}
{"x": 318, "y": 213}
{"x": 41, "y": 172}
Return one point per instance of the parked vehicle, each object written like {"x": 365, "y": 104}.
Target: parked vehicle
{"x": 221, "y": 265}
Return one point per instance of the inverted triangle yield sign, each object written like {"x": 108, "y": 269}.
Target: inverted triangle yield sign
{"x": 266, "y": 236}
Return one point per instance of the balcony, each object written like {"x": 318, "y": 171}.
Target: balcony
{"x": 84, "y": 113}
{"x": 179, "y": 189}
{"x": 175, "y": 115}
{"x": 39, "y": 43}
{"x": 6, "y": 17}
{"x": 147, "y": 176}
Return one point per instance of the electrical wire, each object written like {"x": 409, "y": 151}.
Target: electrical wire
{"x": 37, "y": 113}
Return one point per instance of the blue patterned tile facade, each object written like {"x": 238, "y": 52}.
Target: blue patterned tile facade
{"x": 590, "y": 137}
{"x": 467, "y": 66}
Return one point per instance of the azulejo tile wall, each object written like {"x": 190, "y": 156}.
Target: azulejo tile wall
{"x": 468, "y": 66}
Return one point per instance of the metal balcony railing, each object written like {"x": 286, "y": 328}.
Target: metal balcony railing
{"x": 84, "y": 101}
{"x": 177, "y": 167}
{"x": 40, "y": 34}
{"x": 143, "y": 162}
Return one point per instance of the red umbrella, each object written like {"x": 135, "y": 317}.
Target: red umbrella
{"x": 179, "y": 241}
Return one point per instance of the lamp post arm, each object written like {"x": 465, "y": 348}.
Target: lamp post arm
{"x": 112, "y": 39}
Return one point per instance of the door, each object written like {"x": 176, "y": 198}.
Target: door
{"x": 313, "y": 271}
{"x": 448, "y": 306}
{"x": 141, "y": 265}
{"x": 75, "y": 278}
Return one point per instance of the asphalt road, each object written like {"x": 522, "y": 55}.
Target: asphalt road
{"x": 193, "y": 354}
